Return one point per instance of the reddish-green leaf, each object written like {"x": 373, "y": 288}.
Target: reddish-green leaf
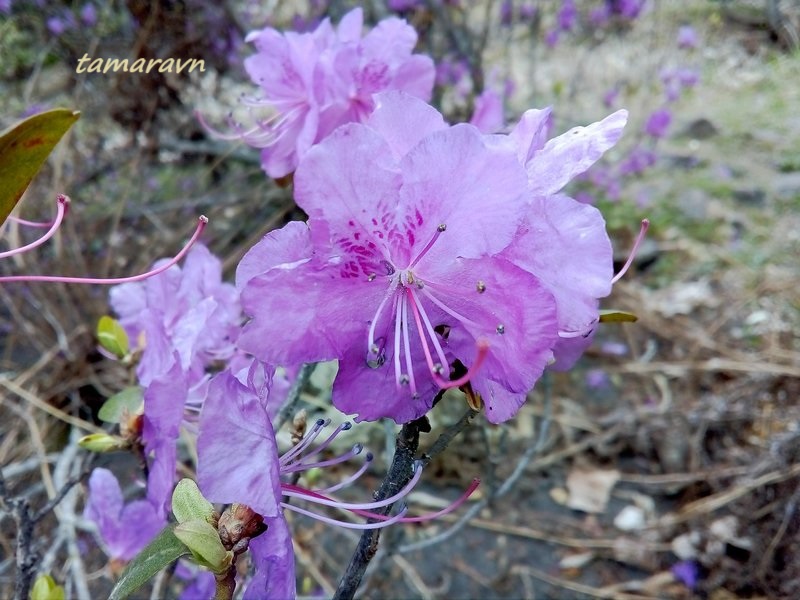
{"x": 23, "y": 149}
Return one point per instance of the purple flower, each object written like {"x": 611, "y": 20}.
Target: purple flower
{"x": 599, "y": 15}
{"x": 398, "y": 267}
{"x": 561, "y": 241}
{"x": 567, "y": 15}
{"x": 687, "y": 37}
{"x": 488, "y": 113}
{"x": 506, "y": 12}
{"x": 551, "y": 38}
{"x": 164, "y": 402}
{"x": 638, "y": 161}
{"x": 56, "y": 26}
{"x": 124, "y": 528}
{"x": 610, "y": 97}
{"x": 528, "y": 12}
{"x": 687, "y": 572}
{"x": 658, "y": 123}
{"x": 319, "y": 80}
{"x": 5, "y": 6}
{"x": 89, "y": 15}
{"x": 185, "y": 314}
{"x": 628, "y": 9}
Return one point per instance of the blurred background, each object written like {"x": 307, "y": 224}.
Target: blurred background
{"x": 665, "y": 465}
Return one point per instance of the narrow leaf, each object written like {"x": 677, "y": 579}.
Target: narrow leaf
{"x": 157, "y": 555}
{"x": 23, "y": 149}
{"x": 127, "y": 401}
{"x": 112, "y": 337}
{"x": 617, "y": 316}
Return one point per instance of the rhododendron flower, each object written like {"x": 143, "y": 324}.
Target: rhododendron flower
{"x": 397, "y": 273}
{"x": 124, "y": 528}
{"x": 658, "y": 123}
{"x": 564, "y": 242}
{"x": 185, "y": 314}
{"x": 319, "y": 80}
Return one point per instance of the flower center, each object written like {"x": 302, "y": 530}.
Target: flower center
{"x": 406, "y": 291}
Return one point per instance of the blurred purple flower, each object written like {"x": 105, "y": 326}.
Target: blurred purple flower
{"x": 638, "y": 161}
{"x": 551, "y": 38}
{"x": 687, "y": 37}
{"x": 658, "y": 123}
{"x": 614, "y": 348}
{"x": 687, "y": 572}
{"x": 5, "y": 6}
{"x": 186, "y": 314}
{"x": 610, "y": 97}
{"x": 89, "y": 15}
{"x": 528, "y": 12}
{"x": 597, "y": 378}
{"x": 124, "y": 528}
{"x": 688, "y": 77}
{"x": 628, "y": 9}
{"x": 56, "y": 26}
{"x": 506, "y": 12}
{"x": 599, "y": 15}
{"x": 320, "y": 80}
{"x": 567, "y": 15}
{"x": 402, "y": 235}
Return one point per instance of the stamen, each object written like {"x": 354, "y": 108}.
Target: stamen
{"x": 27, "y": 223}
{"x": 304, "y": 443}
{"x": 407, "y": 347}
{"x": 371, "y": 345}
{"x": 417, "y": 305}
{"x": 398, "y": 370}
{"x": 636, "y": 244}
{"x": 430, "y": 516}
{"x": 347, "y": 481}
{"x": 304, "y": 466}
{"x": 294, "y": 491}
{"x": 427, "y": 293}
{"x": 439, "y": 231}
{"x": 483, "y": 350}
{"x": 379, "y": 525}
{"x": 202, "y": 222}
{"x": 480, "y": 286}
{"x": 62, "y": 202}
{"x": 346, "y": 426}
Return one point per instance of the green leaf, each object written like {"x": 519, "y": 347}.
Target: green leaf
{"x": 23, "y": 149}
{"x": 127, "y": 401}
{"x": 45, "y": 588}
{"x": 157, "y": 555}
{"x": 188, "y": 503}
{"x": 103, "y": 442}
{"x": 617, "y": 316}
{"x": 203, "y": 540}
{"x": 112, "y": 337}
